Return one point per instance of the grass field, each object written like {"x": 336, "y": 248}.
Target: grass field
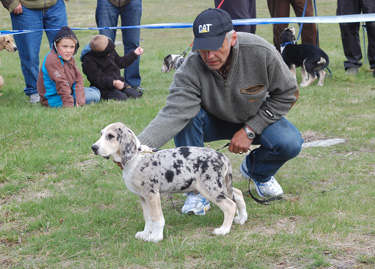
{"x": 61, "y": 206}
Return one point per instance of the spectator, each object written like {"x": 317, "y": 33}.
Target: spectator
{"x": 60, "y": 83}
{"x": 350, "y": 34}
{"x": 31, "y": 15}
{"x": 101, "y": 64}
{"x": 130, "y": 11}
{"x": 281, "y": 8}
{"x": 231, "y": 86}
{"x": 240, "y": 9}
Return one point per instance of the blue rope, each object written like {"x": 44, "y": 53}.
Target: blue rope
{"x": 300, "y": 27}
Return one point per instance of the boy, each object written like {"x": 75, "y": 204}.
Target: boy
{"x": 60, "y": 83}
{"x": 101, "y": 64}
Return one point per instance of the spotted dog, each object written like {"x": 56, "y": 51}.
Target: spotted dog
{"x": 177, "y": 170}
{"x": 7, "y": 43}
{"x": 309, "y": 57}
{"x": 172, "y": 61}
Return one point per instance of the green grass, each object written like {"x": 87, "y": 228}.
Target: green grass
{"x": 61, "y": 206}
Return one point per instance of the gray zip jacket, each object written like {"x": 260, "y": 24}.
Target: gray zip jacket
{"x": 259, "y": 90}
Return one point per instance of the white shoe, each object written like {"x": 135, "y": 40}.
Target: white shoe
{"x": 195, "y": 204}
{"x": 271, "y": 188}
{"x": 34, "y": 98}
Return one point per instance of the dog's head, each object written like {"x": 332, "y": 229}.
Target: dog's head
{"x": 118, "y": 141}
{"x": 288, "y": 35}
{"x": 7, "y": 43}
{"x": 172, "y": 61}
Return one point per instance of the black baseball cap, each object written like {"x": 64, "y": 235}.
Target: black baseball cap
{"x": 210, "y": 28}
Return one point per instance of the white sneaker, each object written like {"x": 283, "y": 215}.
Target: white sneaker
{"x": 195, "y": 204}
{"x": 34, "y": 98}
{"x": 271, "y": 188}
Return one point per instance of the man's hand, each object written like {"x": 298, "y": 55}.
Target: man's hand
{"x": 240, "y": 143}
{"x": 18, "y": 9}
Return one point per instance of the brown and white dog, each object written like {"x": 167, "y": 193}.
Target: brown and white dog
{"x": 149, "y": 173}
{"x": 7, "y": 43}
{"x": 309, "y": 57}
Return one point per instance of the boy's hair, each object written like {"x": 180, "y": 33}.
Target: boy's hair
{"x": 99, "y": 43}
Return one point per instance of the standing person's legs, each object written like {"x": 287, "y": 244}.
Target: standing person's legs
{"x": 55, "y": 18}
{"x": 309, "y": 31}
{"x": 106, "y": 15}
{"x": 131, "y": 15}
{"x": 369, "y": 7}
{"x": 28, "y": 45}
{"x": 350, "y": 34}
{"x": 240, "y": 9}
{"x": 278, "y": 8}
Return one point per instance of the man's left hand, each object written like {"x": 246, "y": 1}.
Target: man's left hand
{"x": 240, "y": 143}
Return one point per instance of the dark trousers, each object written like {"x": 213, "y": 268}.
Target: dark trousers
{"x": 114, "y": 95}
{"x": 240, "y": 9}
{"x": 281, "y": 8}
{"x": 350, "y": 32}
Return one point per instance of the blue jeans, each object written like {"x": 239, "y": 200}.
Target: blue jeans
{"x": 107, "y": 16}
{"x": 28, "y": 44}
{"x": 279, "y": 142}
{"x": 92, "y": 95}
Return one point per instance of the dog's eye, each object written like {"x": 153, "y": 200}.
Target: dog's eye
{"x": 110, "y": 136}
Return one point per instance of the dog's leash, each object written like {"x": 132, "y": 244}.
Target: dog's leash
{"x": 262, "y": 202}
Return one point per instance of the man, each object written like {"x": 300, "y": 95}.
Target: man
{"x": 350, "y": 35}
{"x": 32, "y": 15}
{"x": 232, "y": 86}
{"x": 130, "y": 12}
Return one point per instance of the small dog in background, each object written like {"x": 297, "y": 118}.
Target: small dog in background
{"x": 172, "y": 61}
{"x": 309, "y": 57}
{"x": 7, "y": 43}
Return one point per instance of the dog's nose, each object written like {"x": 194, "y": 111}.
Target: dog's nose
{"x": 95, "y": 149}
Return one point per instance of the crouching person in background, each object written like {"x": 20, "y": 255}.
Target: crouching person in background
{"x": 60, "y": 83}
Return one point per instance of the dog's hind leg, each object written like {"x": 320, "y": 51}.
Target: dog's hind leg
{"x": 311, "y": 77}
{"x": 322, "y": 75}
{"x": 304, "y": 74}
{"x": 241, "y": 207}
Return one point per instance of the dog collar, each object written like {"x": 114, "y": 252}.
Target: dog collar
{"x": 287, "y": 43}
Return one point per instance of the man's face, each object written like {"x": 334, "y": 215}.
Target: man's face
{"x": 215, "y": 59}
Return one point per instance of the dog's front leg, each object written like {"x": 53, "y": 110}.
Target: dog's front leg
{"x": 148, "y": 223}
{"x": 157, "y": 218}
{"x": 229, "y": 209}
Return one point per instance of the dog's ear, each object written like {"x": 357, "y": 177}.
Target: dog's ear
{"x": 128, "y": 144}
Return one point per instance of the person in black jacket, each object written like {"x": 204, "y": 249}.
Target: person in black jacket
{"x": 101, "y": 64}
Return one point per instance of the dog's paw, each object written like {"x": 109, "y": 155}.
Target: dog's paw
{"x": 303, "y": 85}
{"x": 221, "y": 231}
{"x": 240, "y": 219}
{"x": 154, "y": 237}
{"x": 142, "y": 235}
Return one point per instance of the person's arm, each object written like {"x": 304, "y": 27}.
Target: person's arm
{"x": 125, "y": 61}
{"x": 11, "y": 5}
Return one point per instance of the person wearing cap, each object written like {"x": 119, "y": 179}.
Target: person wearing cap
{"x": 60, "y": 83}
{"x": 102, "y": 65}
{"x": 231, "y": 86}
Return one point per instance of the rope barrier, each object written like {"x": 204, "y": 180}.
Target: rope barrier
{"x": 323, "y": 19}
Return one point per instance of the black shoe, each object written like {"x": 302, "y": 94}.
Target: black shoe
{"x": 131, "y": 92}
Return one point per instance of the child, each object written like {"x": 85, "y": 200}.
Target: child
{"x": 101, "y": 64}
{"x": 60, "y": 83}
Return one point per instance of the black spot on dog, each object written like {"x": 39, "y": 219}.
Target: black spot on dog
{"x": 187, "y": 184}
{"x": 155, "y": 163}
{"x": 201, "y": 164}
{"x": 169, "y": 175}
{"x": 220, "y": 197}
{"x": 185, "y": 151}
{"x": 177, "y": 165}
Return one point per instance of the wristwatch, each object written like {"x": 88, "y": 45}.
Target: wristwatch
{"x": 250, "y": 134}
